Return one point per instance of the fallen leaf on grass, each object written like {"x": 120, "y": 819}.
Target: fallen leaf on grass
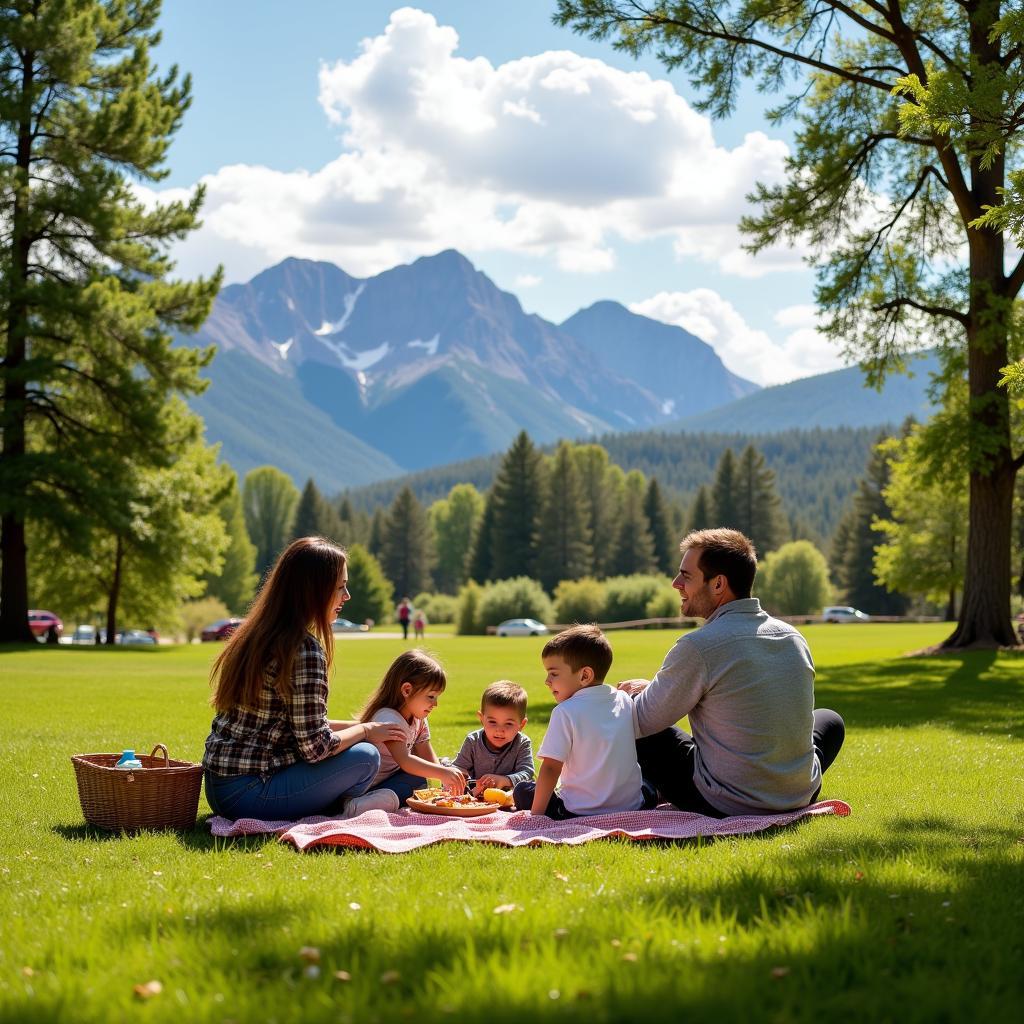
{"x": 507, "y": 908}
{"x": 27, "y": 971}
{"x": 780, "y": 972}
{"x": 630, "y": 957}
{"x": 389, "y": 977}
{"x": 148, "y": 989}
{"x": 342, "y": 976}
{"x": 561, "y": 877}
{"x": 310, "y": 954}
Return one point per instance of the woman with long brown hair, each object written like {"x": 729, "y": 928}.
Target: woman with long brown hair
{"x": 272, "y": 752}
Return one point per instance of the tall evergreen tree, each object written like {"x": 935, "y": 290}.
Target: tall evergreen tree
{"x": 315, "y": 517}
{"x": 407, "y": 548}
{"x": 634, "y": 547}
{"x": 516, "y": 495}
{"x": 480, "y": 560}
{"x": 378, "y": 525}
{"x": 701, "y": 511}
{"x": 268, "y": 498}
{"x": 663, "y": 539}
{"x": 602, "y": 485}
{"x": 857, "y": 567}
{"x": 564, "y": 551}
{"x": 724, "y": 495}
{"x": 236, "y": 581}
{"x": 87, "y": 307}
{"x": 758, "y": 508}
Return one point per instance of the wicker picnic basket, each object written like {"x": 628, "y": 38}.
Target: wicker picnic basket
{"x": 165, "y": 794}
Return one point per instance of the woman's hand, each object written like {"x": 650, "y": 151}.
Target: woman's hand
{"x": 451, "y": 778}
{"x": 384, "y": 732}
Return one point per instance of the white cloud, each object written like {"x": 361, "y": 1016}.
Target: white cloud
{"x": 528, "y": 281}
{"x": 748, "y": 351}
{"x": 553, "y": 155}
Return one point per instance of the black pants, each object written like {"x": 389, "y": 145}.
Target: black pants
{"x": 557, "y": 811}
{"x": 667, "y": 760}
{"x": 405, "y": 628}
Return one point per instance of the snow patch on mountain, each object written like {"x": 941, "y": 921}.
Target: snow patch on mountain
{"x": 282, "y": 347}
{"x": 430, "y": 346}
{"x": 327, "y": 327}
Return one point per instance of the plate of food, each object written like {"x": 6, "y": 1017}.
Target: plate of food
{"x": 440, "y": 801}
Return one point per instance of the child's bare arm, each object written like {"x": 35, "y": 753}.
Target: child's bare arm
{"x": 547, "y": 779}
{"x": 452, "y": 778}
{"x": 426, "y": 751}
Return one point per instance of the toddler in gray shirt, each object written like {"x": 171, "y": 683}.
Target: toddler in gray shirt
{"x": 498, "y": 755}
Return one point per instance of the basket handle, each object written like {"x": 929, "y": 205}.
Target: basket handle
{"x": 163, "y": 750}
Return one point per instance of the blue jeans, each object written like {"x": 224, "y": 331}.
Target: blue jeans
{"x": 402, "y": 784}
{"x": 297, "y": 791}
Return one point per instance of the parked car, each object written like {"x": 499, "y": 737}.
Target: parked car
{"x": 220, "y": 630}
{"x": 41, "y": 622}
{"x": 521, "y": 627}
{"x": 348, "y": 626}
{"x": 84, "y": 634}
{"x": 137, "y": 638}
{"x": 844, "y": 613}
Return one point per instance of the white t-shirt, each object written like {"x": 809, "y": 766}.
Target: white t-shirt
{"x": 593, "y": 733}
{"x": 416, "y": 733}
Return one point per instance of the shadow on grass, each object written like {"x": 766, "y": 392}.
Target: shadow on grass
{"x": 976, "y": 691}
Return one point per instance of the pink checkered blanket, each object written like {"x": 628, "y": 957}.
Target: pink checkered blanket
{"x": 407, "y": 830}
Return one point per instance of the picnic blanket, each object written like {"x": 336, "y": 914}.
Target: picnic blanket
{"x": 406, "y": 830}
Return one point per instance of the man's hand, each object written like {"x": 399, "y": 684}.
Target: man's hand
{"x": 631, "y": 687}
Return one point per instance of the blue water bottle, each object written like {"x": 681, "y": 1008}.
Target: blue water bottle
{"x": 128, "y": 762}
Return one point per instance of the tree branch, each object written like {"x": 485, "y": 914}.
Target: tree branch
{"x": 903, "y": 300}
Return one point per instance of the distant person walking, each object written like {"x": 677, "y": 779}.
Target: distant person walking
{"x": 746, "y": 682}
{"x": 404, "y": 615}
{"x": 419, "y": 624}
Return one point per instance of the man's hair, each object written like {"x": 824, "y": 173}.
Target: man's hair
{"x": 582, "y": 647}
{"x": 505, "y": 694}
{"x": 725, "y": 553}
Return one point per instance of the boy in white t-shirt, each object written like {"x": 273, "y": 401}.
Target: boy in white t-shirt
{"x": 589, "y": 750}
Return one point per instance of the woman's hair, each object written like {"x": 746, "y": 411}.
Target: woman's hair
{"x": 295, "y": 599}
{"x": 414, "y": 667}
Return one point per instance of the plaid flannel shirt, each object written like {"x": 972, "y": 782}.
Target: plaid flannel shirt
{"x": 276, "y": 733}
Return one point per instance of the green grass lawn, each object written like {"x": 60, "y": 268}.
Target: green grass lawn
{"x": 912, "y": 909}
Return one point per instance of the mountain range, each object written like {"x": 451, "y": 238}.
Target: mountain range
{"x": 350, "y": 380}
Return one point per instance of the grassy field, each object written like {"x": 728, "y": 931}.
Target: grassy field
{"x": 912, "y": 909}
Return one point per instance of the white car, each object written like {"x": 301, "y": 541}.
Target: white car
{"x": 348, "y": 626}
{"x": 844, "y": 613}
{"x": 521, "y": 627}
{"x": 84, "y": 635}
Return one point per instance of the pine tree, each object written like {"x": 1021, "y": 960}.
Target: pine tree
{"x": 758, "y": 508}
{"x": 372, "y": 593}
{"x": 479, "y": 559}
{"x": 701, "y": 517}
{"x": 268, "y": 498}
{"x": 602, "y": 484}
{"x": 87, "y": 310}
{"x": 407, "y": 546}
{"x": 634, "y": 548}
{"x": 378, "y": 525}
{"x": 314, "y": 516}
{"x": 665, "y": 544}
{"x": 517, "y": 494}
{"x": 564, "y": 551}
{"x": 724, "y": 503}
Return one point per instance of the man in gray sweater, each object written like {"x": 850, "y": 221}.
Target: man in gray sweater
{"x": 746, "y": 681}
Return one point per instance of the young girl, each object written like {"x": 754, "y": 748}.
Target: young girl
{"x": 405, "y": 698}
{"x": 272, "y": 752}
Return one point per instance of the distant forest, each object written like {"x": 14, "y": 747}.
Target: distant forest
{"x": 816, "y": 471}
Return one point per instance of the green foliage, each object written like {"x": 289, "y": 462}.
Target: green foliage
{"x": 579, "y": 600}
{"x": 454, "y": 521}
{"x": 407, "y": 545}
{"x": 634, "y": 546}
{"x": 316, "y": 517}
{"x": 467, "y": 621}
{"x": 480, "y": 560}
{"x": 627, "y": 597}
{"x": 758, "y": 510}
{"x": 437, "y": 607}
{"x": 602, "y": 484}
{"x": 268, "y": 498}
{"x": 725, "y": 492}
{"x": 372, "y": 592}
{"x": 664, "y": 605}
{"x": 195, "y": 616}
{"x": 563, "y": 545}
{"x": 924, "y": 535}
{"x": 88, "y": 305}
{"x": 517, "y": 495}
{"x": 701, "y": 513}
{"x": 236, "y": 582}
{"x": 793, "y": 580}
{"x": 516, "y": 598}
{"x": 663, "y": 538}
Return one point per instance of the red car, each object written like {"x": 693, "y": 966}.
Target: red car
{"x": 220, "y": 630}
{"x": 40, "y": 622}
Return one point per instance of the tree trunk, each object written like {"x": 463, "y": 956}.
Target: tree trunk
{"x": 115, "y": 593}
{"x": 14, "y": 627}
{"x": 951, "y": 605}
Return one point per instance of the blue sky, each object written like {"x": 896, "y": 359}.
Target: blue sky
{"x": 371, "y": 134}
